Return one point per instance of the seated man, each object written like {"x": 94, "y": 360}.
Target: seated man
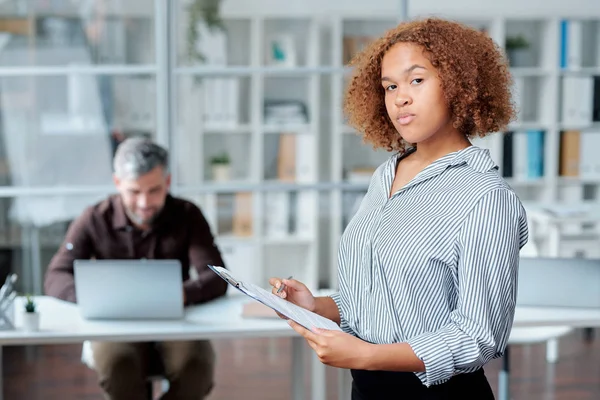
{"x": 145, "y": 221}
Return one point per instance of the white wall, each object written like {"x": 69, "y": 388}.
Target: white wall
{"x": 309, "y": 7}
{"x": 492, "y": 8}
{"x": 512, "y": 8}
{"x": 479, "y": 8}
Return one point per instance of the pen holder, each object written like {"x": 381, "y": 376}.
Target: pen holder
{"x": 30, "y": 317}
{"x": 7, "y": 315}
{"x": 31, "y": 321}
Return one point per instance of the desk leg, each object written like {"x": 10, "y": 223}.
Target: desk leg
{"x": 297, "y": 368}
{"x": 553, "y": 240}
{"x": 318, "y": 381}
{"x": 503, "y": 378}
{"x": 552, "y": 350}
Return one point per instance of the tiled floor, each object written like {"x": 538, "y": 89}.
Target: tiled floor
{"x": 259, "y": 369}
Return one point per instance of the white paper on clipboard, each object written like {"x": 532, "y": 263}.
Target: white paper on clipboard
{"x": 302, "y": 316}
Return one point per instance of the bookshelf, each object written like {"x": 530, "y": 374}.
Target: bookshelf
{"x": 234, "y": 123}
{"x": 536, "y": 149}
{"x": 352, "y": 162}
{"x": 308, "y": 90}
{"x": 263, "y": 72}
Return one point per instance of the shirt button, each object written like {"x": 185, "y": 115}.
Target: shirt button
{"x": 69, "y": 246}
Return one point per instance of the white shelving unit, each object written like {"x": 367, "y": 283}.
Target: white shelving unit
{"x": 351, "y": 159}
{"x": 262, "y": 233}
{"x": 538, "y": 88}
{"x": 542, "y": 99}
{"x": 317, "y": 79}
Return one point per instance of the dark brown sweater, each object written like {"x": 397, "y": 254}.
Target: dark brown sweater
{"x": 103, "y": 231}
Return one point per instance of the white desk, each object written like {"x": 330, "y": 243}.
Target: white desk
{"x": 61, "y": 323}
{"x": 557, "y": 316}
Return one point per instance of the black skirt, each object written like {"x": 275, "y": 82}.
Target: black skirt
{"x": 376, "y": 385}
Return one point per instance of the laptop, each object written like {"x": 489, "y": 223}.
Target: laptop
{"x": 559, "y": 282}
{"x": 129, "y": 289}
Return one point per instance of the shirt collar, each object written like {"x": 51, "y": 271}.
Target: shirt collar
{"x": 119, "y": 219}
{"x": 475, "y": 157}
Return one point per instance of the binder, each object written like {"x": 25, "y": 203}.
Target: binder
{"x": 303, "y": 317}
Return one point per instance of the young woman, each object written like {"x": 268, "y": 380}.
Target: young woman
{"x": 428, "y": 265}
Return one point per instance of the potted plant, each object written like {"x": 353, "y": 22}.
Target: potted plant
{"x": 207, "y": 11}
{"x": 516, "y": 49}
{"x": 221, "y": 168}
{"x": 31, "y": 316}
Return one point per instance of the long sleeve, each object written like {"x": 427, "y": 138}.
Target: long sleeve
{"x": 59, "y": 281}
{"x": 203, "y": 252}
{"x": 487, "y": 248}
{"x": 337, "y": 298}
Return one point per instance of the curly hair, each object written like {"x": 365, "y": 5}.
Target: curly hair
{"x": 473, "y": 71}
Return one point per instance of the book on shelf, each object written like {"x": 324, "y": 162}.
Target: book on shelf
{"x": 295, "y": 164}
{"x": 523, "y": 154}
{"x": 243, "y": 214}
{"x": 579, "y": 40}
{"x": 596, "y": 105}
{"x": 570, "y": 44}
{"x": 286, "y": 157}
{"x": 578, "y": 154}
{"x": 285, "y": 112}
{"x": 220, "y": 94}
{"x": 578, "y": 100}
{"x": 570, "y": 145}
{"x": 221, "y": 100}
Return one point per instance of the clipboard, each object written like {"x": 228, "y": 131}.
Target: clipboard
{"x": 302, "y": 316}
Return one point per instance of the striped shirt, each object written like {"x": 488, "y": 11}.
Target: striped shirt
{"x": 436, "y": 264}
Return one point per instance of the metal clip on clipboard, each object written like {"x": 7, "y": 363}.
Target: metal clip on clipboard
{"x": 223, "y": 274}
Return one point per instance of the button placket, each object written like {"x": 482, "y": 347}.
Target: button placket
{"x": 373, "y": 259}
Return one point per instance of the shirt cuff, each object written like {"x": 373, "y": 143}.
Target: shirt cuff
{"x": 337, "y": 298}
{"x": 69, "y": 294}
{"x": 432, "y": 349}
{"x": 189, "y": 293}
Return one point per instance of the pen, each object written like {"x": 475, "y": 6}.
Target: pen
{"x": 7, "y": 288}
{"x": 282, "y": 285}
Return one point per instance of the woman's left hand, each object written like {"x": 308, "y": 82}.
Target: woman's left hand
{"x": 334, "y": 348}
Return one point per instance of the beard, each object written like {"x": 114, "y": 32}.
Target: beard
{"x": 136, "y": 219}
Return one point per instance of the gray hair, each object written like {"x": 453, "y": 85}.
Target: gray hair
{"x": 138, "y": 156}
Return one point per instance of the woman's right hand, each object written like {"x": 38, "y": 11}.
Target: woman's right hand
{"x": 294, "y": 292}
